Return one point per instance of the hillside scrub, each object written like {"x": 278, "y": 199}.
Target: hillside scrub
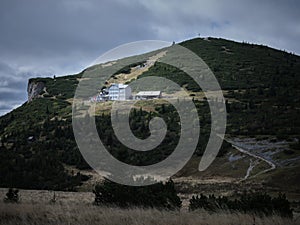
{"x": 258, "y": 203}
{"x": 159, "y": 195}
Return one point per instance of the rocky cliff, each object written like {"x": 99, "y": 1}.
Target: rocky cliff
{"x": 34, "y": 89}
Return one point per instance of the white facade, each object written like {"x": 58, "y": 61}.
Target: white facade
{"x": 119, "y": 92}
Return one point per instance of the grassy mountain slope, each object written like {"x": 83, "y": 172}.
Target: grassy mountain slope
{"x": 260, "y": 85}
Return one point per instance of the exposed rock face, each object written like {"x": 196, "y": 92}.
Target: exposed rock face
{"x": 34, "y": 88}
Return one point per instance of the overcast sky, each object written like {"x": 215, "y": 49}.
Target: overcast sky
{"x": 46, "y": 37}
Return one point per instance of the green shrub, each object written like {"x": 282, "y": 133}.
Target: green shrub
{"x": 159, "y": 195}
{"x": 12, "y": 196}
{"x": 258, "y": 203}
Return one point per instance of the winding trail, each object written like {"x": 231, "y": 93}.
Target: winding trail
{"x": 250, "y": 168}
{"x": 245, "y": 151}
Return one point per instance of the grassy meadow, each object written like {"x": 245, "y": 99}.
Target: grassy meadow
{"x": 77, "y": 214}
{"x": 76, "y": 208}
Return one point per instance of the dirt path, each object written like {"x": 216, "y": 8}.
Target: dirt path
{"x": 245, "y": 151}
{"x": 135, "y": 72}
{"x": 250, "y": 168}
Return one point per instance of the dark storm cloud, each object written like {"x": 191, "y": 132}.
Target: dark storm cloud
{"x": 12, "y": 86}
{"x": 270, "y": 22}
{"x": 66, "y": 28}
{"x": 42, "y": 38}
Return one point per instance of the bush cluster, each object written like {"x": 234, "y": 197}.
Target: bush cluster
{"x": 159, "y": 195}
{"x": 258, "y": 203}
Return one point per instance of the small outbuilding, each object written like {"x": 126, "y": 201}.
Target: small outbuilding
{"x": 148, "y": 95}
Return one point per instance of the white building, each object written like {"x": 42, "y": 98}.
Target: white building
{"x": 119, "y": 92}
{"x": 148, "y": 95}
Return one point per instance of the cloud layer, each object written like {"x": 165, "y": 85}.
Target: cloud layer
{"x": 42, "y": 38}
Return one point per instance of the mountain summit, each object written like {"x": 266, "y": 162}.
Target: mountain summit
{"x": 261, "y": 149}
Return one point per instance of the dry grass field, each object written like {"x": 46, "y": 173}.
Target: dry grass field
{"x": 56, "y": 214}
{"x": 77, "y": 209}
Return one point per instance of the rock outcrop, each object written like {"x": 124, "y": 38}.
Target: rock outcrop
{"x": 34, "y": 89}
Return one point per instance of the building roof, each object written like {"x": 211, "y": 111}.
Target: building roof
{"x": 149, "y": 93}
{"x": 119, "y": 85}
{"x": 123, "y": 85}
